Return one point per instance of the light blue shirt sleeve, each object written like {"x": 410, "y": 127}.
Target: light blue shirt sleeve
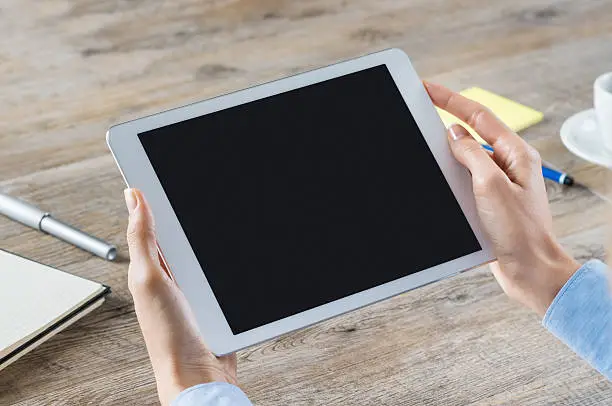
{"x": 212, "y": 394}
{"x": 581, "y": 316}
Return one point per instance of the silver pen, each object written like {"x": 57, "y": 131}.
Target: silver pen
{"x": 31, "y": 216}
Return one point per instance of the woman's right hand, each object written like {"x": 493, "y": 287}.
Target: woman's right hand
{"x": 512, "y": 203}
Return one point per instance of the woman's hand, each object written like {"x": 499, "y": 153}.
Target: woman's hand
{"x": 512, "y": 203}
{"x": 178, "y": 354}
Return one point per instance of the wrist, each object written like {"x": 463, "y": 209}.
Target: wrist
{"x": 556, "y": 268}
{"x": 175, "y": 379}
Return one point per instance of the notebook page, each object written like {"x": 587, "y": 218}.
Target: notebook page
{"x": 34, "y": 296}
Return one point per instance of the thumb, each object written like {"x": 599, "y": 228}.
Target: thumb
{"x": 144, "y": 260}
{"x": 471, "y": 155}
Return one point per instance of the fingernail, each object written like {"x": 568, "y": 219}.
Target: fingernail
{"x": 456, "y": 132}
{"x": 131, "y": 200}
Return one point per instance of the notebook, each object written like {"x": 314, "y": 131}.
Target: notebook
{"x": 37, "y": 302}
{"x": 513, "y": 114}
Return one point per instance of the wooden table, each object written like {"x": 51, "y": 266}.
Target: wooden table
{"x": 71, "y": 68}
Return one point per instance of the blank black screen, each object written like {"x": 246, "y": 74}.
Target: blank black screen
{"x": 298, "y": 199}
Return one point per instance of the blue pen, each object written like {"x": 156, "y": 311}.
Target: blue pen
{"x": 548, "y": 173}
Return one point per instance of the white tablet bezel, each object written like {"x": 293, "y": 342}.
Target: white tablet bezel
{"x": 137, "y": 171}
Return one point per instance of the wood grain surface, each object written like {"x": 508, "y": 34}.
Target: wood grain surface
{"x": 71, "y": 68}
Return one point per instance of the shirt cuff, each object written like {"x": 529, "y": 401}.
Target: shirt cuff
{"x": 581, "y": 316}
{"x": 212, "y": 394}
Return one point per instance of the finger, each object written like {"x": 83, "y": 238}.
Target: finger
{"x": 475, "y": 158}
{"x": 141, "y": 229}
{"x": 477, "y": 116}
{"x": 145, "y": 275}
{"x": 517, "y": 158}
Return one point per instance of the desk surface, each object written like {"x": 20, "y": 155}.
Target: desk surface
{"x": 69, "y": 69}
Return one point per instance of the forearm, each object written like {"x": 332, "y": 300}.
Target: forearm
{"x": 581, "y": 316}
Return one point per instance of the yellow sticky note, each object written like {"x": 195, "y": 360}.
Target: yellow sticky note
{"x": 513, "y": 114}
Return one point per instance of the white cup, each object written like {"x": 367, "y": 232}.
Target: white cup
{"x": 603, "y": 107}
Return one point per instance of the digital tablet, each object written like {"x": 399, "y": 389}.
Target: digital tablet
{"x": 297, "y": 200}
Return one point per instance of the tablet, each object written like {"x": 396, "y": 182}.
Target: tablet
{"x": 294, "y": 201}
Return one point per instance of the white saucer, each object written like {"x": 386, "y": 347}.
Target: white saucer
{"x": 580, "y": 134}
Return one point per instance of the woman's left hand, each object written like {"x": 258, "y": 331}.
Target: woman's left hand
{"x": 179, "y": 356}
